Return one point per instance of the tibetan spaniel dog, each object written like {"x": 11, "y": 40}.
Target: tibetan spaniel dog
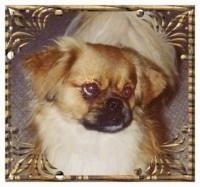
{"x": 93, "y": 87}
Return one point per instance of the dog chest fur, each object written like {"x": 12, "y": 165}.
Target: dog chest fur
{"x": 78, "y": 151}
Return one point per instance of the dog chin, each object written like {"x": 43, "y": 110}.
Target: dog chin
{"x": 104, "y": 127}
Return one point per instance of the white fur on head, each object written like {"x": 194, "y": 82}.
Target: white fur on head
{"x": 126, "y": 29}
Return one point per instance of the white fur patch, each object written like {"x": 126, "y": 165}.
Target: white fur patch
{"x": 78, "y": 151}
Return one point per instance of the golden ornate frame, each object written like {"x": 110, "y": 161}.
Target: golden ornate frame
{"x": 16, "y": 39}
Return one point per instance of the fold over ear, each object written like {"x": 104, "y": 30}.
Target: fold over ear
{"x": 47, "y": 69}
{"x": 151, "y": 81}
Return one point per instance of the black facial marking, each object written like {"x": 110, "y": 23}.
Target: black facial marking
{"x": 114, "y": 116}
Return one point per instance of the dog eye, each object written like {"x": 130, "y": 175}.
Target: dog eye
{"x": 127, "y": 91}
{"x": 90, "y": 90}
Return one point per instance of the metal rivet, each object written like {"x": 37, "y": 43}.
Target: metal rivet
{"x": 140, "y": 13}
{"x": 183, "y": 57}
{"x": 59, "y": 175}
{"x": 58, "y": 12}
{"x": 10, "y": 28}
{"x": 10, "y": 55}
{"x": 27, "y": 11}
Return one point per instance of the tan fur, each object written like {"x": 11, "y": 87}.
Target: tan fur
{"x": 47, "y": 68}
{"x": 57, "y": 75}
{"x": 126, "y": 29}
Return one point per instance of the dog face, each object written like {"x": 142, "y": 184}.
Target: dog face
{"x": 96, "y": 85}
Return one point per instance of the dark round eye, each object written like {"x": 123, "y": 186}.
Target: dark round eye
{"x": 90, "y": 90}
{"x": 127, "y": 91}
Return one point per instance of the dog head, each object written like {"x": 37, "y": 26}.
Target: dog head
{"x": 97, "y": 85}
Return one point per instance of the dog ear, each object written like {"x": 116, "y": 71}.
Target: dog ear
{"x": 151, "y": 81}
{"x": 47, "y": 69}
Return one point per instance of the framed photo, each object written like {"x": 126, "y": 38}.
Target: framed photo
{"x": 106, "y": 132}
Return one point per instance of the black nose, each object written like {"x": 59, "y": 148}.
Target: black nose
{"x": 114, "y": 105}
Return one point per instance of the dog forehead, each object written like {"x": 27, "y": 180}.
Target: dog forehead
{"x": 95, "y": 58}
{"x": 105, "y": 64}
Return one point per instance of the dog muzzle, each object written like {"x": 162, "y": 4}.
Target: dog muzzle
{"x": 114, "y": 116}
